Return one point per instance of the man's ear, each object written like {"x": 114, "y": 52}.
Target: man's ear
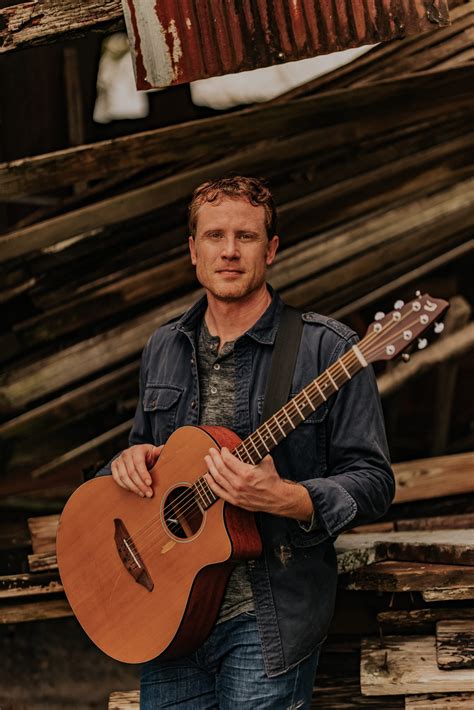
{"x": 192, "y": 249}
{"x": 271, "y": 249}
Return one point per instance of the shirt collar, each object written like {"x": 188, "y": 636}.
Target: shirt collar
{"x": 263, "y": 331}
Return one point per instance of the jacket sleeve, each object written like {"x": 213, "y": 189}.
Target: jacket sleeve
{"x": 360, "y": 484}
{"x": 141, "y": 431}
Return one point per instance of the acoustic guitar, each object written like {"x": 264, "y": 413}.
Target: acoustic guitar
{"x": 145, "y": 577}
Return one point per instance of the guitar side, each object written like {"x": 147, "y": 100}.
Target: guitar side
{"x": 140, "y": 585}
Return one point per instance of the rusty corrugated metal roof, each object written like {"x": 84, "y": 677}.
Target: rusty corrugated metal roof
{"x": 175, "y": 41}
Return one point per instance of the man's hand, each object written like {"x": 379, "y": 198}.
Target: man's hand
{"x": 256, "y": 488}
{"x": 130, "y": 470}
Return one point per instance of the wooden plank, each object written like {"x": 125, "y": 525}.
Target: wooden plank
{"x": 78, "y": 361}
{"x": 28, "y": 24}
{"x": 443, "y": 594}
{"x": 421, "y": 621}
{"x": 458, "y": 315}
{"x": 124, "y": 700}
{"x": 26, "y": 585}
{"x": 435, "y": 546}
{"x": 453, "y": 701}
{"x": 455, "y": 644}
{"x": 434, "y": 477}
{"x": 43, "y": 529}
{"x": 43, "y": 562}
{"x": 150, "y": 197}
{"x": 86, "y": 454}
{"x": 405, "y": 665}
{"x": 34, "y": 611}
{"x": 437, "y": 522}
{"x": 393, "y": 576}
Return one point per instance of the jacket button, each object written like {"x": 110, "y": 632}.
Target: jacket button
{"x": 193, "y": 404}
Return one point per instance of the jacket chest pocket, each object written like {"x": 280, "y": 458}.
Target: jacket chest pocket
{"x": 160, "y": 403}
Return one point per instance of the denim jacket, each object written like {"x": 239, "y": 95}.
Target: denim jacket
{"x": 339, "y": 454}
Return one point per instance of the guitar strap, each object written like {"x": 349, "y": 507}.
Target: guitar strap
{"x": 282, "y": 366}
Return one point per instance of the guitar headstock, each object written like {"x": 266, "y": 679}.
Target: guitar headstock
{"x": 390, "y": 334}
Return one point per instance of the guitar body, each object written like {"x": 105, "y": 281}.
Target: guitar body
{"x": 145, "y": 577}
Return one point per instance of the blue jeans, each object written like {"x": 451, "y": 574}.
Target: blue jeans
{"x": 227, "y": 672}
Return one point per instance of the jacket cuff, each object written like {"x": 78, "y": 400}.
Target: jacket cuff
{"x": 334, "y": 508}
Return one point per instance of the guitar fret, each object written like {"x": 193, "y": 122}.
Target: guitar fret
{"x": 246, "y": 451}
{"x": 237, "y": 454}
{"x": 278, "y": 425}
{"x": 288, "y": 417}
{"x": 262, "y": 440}
{"x": 270, "y": 432}
{"x": 320, "y": 391}
{"x": 309, "y": 401}
{"x": 332, "y": 380}
{"x": 250, "y": 438}
{"x": 299, "y": 411}
{"x": 345, "y": 369}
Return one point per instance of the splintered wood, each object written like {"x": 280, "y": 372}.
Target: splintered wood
{"x": 405, "y": 665}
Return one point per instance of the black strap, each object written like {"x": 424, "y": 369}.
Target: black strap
{"x": 283, "y": 362}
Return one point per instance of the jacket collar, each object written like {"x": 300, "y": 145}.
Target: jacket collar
{"x": 263, "y": 331}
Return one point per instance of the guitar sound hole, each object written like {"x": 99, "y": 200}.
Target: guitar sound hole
{"x": 183, "y": 516}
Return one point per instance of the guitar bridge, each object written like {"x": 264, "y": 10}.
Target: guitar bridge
{"x": 130, "y": 557}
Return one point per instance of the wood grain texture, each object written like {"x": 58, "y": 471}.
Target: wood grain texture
{"x": 27, "y": 24}
{"x": 392, "y": 576}
{"x": 124, "y": 700}
{"x": 406, "y": 665}
{"x": 421, "y": 621}
{"x": 434, "y": 477}
{"x": 435, "y": 701}
{"x": 455, "y": 644}
{"x": 441, "y": 594}
{"x": 35, "y": 611}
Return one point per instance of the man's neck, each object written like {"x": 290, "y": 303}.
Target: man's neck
{"x": 230, "y": 319}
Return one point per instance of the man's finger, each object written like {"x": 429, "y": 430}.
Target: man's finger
{"x": 124, "y": 477}
{"x": 139, "y": 465}
{"x": 219, "y": 490}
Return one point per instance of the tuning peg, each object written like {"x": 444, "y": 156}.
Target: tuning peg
{"x": 379, "y": 315}
{"x": 418, "y": 294}
{"x": 422, "y": 343}
{"x": 438, "y": 328}
{"x": 405, "y": 356}
{"x": 399, "y": 304}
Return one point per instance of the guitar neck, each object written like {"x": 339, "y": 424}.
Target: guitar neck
{"x": 269, "y": 434}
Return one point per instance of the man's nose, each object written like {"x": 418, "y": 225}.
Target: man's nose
{"x": 230, "y": 248}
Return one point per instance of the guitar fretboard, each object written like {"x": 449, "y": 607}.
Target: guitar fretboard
{"x": 269, "y": 434}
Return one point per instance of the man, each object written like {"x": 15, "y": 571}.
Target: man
{"x": 331, "y": 473}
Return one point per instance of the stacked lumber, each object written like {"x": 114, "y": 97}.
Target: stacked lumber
{"x": 98, "y": 274}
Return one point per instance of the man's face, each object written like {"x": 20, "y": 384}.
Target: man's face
{"x": 230, "y": 249}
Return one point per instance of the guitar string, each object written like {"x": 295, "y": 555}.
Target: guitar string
{"x": 189, "y": 497}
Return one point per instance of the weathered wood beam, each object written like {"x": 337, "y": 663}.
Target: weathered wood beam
{"x": 458, "y": 315}
{"x": 43, "y": 529}
{"x": 209, "y": 139}
{"x": 420, "y": 620}
{"x": 455, "y": 644}
{"x": 440, "y": 701}
{"x": 434, "y": 477}
{"x": 22, "y": 585}
{"x": 35, "y": 611}
{"x": 28, "y": 24}
{"x": 391, "y": 576}
{"x": 445, "y": 594}
{"x": 61, "y": 369}
{"x": 403, "y": 665}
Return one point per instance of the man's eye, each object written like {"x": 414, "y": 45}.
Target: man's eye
{"x": 214, "y": 235}
{"x": 245, "y": 237}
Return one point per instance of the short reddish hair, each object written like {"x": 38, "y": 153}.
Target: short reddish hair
{"x": 237, "y": 188}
